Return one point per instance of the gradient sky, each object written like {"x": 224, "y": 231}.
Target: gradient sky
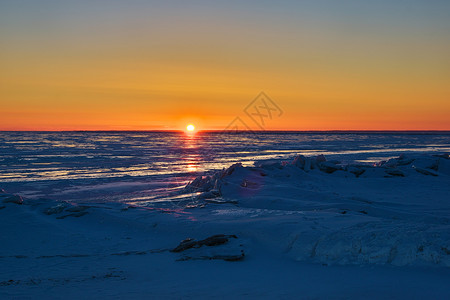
{"x": 145, "y": 65}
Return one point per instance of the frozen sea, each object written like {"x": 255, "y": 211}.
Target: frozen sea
{"x": 146, "y": 167}
{"x": 264, "y": 215}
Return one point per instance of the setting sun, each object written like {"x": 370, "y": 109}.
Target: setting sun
{"x": 190, "y": 128}
{"x": 307, "y": 137}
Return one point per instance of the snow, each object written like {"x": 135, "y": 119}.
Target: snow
{"x": 303, "y": 227}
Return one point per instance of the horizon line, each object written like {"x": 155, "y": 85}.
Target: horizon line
{"x": 240, "y": 131}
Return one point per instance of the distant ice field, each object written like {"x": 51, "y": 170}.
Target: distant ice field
{"x": 143, "y": 167}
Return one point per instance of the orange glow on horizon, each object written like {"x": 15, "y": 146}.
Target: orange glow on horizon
{"x": 147, "y": 67}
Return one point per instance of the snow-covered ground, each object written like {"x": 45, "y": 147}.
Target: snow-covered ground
{"x": 303, "y": 227}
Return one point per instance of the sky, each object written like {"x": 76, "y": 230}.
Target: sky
{"x": 159, "y": 65}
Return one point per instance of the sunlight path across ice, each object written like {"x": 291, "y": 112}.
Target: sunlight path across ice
{"x": 68, "y": 165}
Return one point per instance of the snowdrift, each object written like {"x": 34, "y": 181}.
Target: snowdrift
{"x": 307, "y": 209}
{"x": 393, "y": 212}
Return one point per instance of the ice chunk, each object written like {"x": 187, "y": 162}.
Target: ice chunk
{"x": 12, "y": 199}
{"x": 329, "y": 167}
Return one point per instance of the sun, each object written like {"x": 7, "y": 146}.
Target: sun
{"x": 190, "y": 128}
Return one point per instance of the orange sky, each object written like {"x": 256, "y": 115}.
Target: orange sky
{"x": 151, "y": 66}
